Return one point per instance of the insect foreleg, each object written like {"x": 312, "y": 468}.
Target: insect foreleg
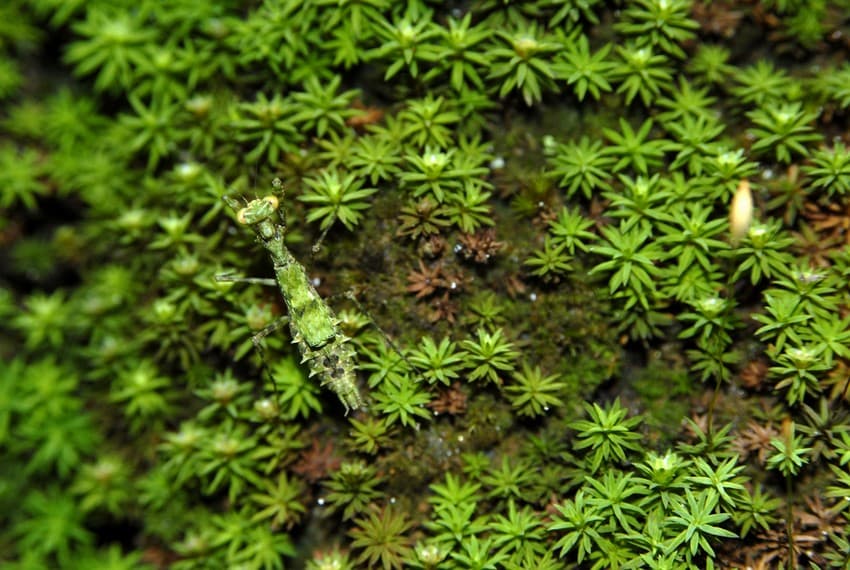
{"x": 231, "y": 278}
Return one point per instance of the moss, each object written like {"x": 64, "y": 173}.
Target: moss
{"x": 541, "y": 190}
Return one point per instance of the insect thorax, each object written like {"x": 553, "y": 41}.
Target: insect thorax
{"x": 310, "y": 316}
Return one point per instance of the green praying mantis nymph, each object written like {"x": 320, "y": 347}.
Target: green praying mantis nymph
{"x": 314, "y": 326}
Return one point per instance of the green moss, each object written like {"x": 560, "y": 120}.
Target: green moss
{"x": 532, "y": 202}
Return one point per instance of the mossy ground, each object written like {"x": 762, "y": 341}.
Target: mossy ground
{"x": 529, "y": 200}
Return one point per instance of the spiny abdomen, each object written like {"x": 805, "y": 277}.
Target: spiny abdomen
{"x": 334, "y": 364}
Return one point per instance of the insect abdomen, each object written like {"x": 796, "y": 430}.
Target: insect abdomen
{"x": 334, "y": 365}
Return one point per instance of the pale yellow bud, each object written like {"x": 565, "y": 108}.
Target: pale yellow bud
{"x": 741, "y": 211}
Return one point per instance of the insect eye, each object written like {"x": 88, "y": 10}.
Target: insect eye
{"x": 240, "y": 216}
{"x": 273, "y": 201}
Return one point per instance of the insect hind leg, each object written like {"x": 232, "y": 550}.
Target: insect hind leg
{"x": 351, "y": 297}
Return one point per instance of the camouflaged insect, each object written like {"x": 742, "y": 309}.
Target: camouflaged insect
{"x": 314, "y": 326}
